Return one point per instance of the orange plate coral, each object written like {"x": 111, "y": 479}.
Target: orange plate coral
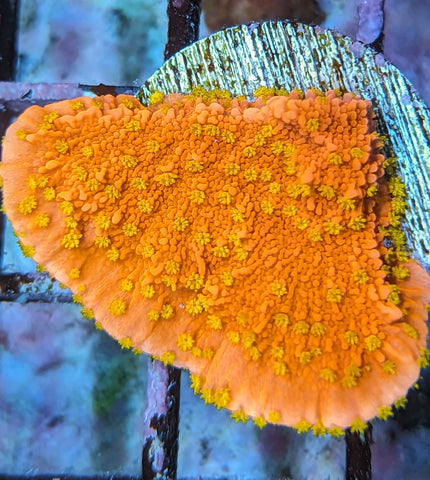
{"x": 242, "y": 240}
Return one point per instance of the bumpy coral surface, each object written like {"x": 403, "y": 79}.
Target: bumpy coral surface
{"x": 255, "y": 243}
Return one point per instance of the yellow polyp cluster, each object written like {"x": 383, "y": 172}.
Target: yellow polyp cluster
{"x": 156, "y": 98}
{"x": 71, "y": 240}
{"x": 27, "y": 205}
{"x": 117, "y": 307}
{"x": 185, "y": 342}
{"x": 168, "y": 358}
{"x": 240, "y": 416}
{"x": 260, "y": 422}
{"x": 358, "y": 426}
{"x": 384, "y": 412}
{"x": 74, "y": 273}
{"x": 302, "y": 426}
{"x": 400, "y": 403}
{"x": 125, "y": 343}
{"x": 27, "y": 250}
{"x": 80, "y": 173}
{"x": 334, "y": 295}
{"x": 372, "y": 343}
{"x": 41, "y": 220}
{"x": 87, "y": 313}
{"x": 424, "y": 359}
{"x": 21, "y": 134}
{"x": 233, "y": 237}
{"x": 318, "y": 429}
{"x": 48, "y": 120}
{"x": 77, "y": 298}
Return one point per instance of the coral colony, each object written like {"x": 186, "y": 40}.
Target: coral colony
{"x": 256, "y": 243}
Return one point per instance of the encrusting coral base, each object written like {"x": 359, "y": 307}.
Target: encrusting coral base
{"x": 256, "y": 243}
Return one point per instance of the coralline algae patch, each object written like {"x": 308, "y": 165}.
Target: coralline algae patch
{"x": 242, "y": 240}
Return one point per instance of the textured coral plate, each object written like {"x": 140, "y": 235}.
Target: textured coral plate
{"x": 288, "y": 56}
{"x": 255, "y": 242}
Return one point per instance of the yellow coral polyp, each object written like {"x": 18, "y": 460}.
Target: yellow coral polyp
{"x": 319, "y": 430}
{"x": 281, "y": 319}
{"x": 66, "y": 207}
{"x": 221, "y": 251}
{"x": 274, "y": 417}
{"x": 102, "y": 242}
{"x": 389, "y": 367}
{"x": 74, "y": 273}
{"x": 153, "y": 315}
{"x": 87, "y": 313}
{"x": 195, "y": 306}
{"x": 42, "y": 220}
{"x": 76, "y": 104}
{"x": 327, "y": 191}
{"x": 129, "y": 161}
{"x": 260, "y": 422}
{"x": 250, "y": 174}
{"x": 237, "y": 215}
{"x": 112, "y": 254}
{"x": 139, "y": 183}
{"x": 197, "y": 196}
{"x": 361, "y": 277}
{"x": 335, "y": 159}
{"x": 202, "y": 238}
{"x": 130, "y": 230}
{"x": 117, "y": 307}
{"x": 351, "y": 337}
{"x": 87, "y": 151}
{"x": 71, "y": 240}
{"x": 424, "y": 359}
{"x": 185, "y": 342}
{"x": 21, "y": 134}
{"x": 180, "y": 224}
{"x": 27, "y": 250}
{"x": 334, "y": 295}
{"x": 372, "y": 343}
{"x": 168, "y": 358}
{"x": 166, "y": 311}
{"x": 61, "y": 146}
{"x": 147, "y": 291}
{"x": 313, "y": 124}
{"x": 133, "y": 126}
{"x": 302, "y": 426}
{"x": 249, "y": 152}
{"x": 358, "y": 426}
{"x": 356, "y": 152}
{"x": 328, "y": 375}
{"x": 301, "y": 327}
{"x": 27, "y": 205}
{"x": 172, "y": 267}
{"x": 396, "y": 187}
{"x": 224, "y": 198}
{"x": 384, "y": 412}
{"x": 166, "y": 179}
{"x": 231, "y": 168}
{"x": 125, "y": 343}
{"x": 156, "y": 98}
{"x": 267, "y": 207}
{"x": 126, "y": 285}
{"x": 239, "y": 416}
{"x": 144, "y": 206}
{"x": 195, "y": 281}
{"x": 279, "y": 288}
